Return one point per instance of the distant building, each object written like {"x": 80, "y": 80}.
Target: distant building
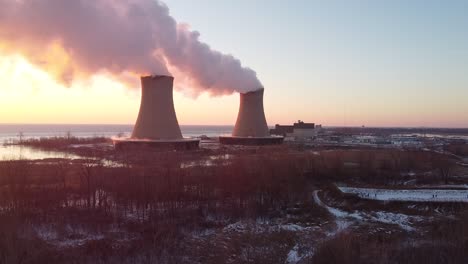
{"x": 304, "y": 130}
{"x": 406, "y": 141}
{"x": 281, "y": 130}
{"x": 370, "y": 140}
{"x": 299, "y": 130}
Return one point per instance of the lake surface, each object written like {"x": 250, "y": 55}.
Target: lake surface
{"x": 21, "y": 152}
{"x": 8, "y": 132}
{"x": 12, "y": 132}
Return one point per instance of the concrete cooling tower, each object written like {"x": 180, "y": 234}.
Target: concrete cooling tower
{"x": 251, "y": 121}
{"x": 251, "y": 126}
{"x": 157, "y": 125}
{"x": 157, "y": 118}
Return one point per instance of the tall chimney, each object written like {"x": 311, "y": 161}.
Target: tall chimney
{"x": 251, "y": 121}
{"x": 157, "y": 119}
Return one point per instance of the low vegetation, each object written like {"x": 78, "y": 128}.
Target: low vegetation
{"x": 174, "y": 207}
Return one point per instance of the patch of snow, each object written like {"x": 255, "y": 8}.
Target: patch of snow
{"x": 409, "y": 195}
{"x": 410, "y": 173}
{"x": 262, "y": 226}
{"x": 77, "y": 242}
{"x": 402, "y": 220}
{"x": 293, "y": 255}
{"x": 69, "y": 238}
{"x": 342, "y": 225}
{"x": 291, "y": 227}
{"x": 46, "y": 233}
{"x": 391, "y": 218}
{"x": 410, "y": 182}
{"x": 203, "y": 233}
{"x": 235, "y": 227}
{"x": 334, "y": 211}
{"x": 337, "y": 212}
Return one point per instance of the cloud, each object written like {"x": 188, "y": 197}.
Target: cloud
{"x": 77, "y": 39}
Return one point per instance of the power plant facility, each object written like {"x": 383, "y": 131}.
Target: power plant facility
{"x": 251, "y": 127}
{"x": 157, "y": 124}
{"x": 298, "y": 131}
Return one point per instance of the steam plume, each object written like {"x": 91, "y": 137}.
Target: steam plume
{"x": 79, "y": 38}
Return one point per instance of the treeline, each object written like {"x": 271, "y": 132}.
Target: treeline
{"x": 158, "y": 185}
{"x": 165, "y": 195}
{"x": 389, "y": 166}
{"x": 152, "y": 184}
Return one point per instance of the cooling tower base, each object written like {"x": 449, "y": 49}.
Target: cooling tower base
{"x": 250, "y": 141}
{"x": 138, "y": 144}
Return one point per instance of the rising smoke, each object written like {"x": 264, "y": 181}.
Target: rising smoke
{"x": 79, "y": 38}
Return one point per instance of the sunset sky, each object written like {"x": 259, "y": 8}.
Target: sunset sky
{"x": 338, "y": 63}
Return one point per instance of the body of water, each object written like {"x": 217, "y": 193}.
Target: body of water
{"x": 16, "y": 152}
{"x": 12, "y": 132}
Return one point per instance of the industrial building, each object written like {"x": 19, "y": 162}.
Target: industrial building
{"x": 298, "y": 130}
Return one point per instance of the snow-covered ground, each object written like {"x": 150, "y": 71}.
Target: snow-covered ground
{"x": 72, "y": 236}
{"x": 259, "y": 226}
{"x": 262, "y": 227}
{"x": 405, "y": 222}
{"x": 69, "y": 237}
{"x": 294, "y": 256}
{"x": 410, "y": 195}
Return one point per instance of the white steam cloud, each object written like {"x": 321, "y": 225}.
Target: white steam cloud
{"x": 78, "y": 38}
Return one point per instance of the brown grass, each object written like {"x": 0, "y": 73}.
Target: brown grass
{"x": 167, "y": 201}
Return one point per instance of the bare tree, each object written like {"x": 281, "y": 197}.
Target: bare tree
{"x": 87, "y": 179}
{"x": 20, "y": 136}
{"x": 444, "y": 166}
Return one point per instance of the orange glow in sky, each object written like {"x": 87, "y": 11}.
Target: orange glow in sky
{"x": 384, "y": 63}
{"x": 393, "y": 63}
{"x": 31, "y": 95}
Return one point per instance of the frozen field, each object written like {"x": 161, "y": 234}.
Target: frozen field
{"x": 410, "y": 195}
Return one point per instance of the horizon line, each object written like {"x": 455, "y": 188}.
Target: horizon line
{"x": 232, "y": 125}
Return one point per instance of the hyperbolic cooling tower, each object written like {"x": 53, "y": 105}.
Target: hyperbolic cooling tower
{"x": 251, "y": 121}
{"x": 156, "y": 126}
{"x": 157, "y": 119}
{"x": 251, "y": 127}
